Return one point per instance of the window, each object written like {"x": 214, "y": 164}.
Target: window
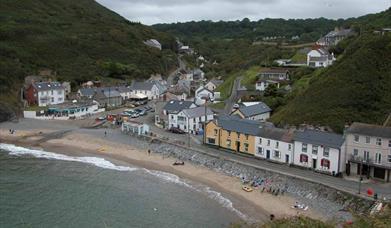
{"x": 356, "y": 138}
{"x": 378, "y": 158}
{"x": 172, "y": 117}
{"x": 325, "y": 163}
{"x": 277, "y": 154}
{"x": 366, "y": 156}
{"x": 289, "y": 147}
{"x": 378, "y": 141}
{"x": 229, "y": 133}
{"x": 238, "y": 136}
{"x": 389, "y": 158}
{"x": 246, "y": 137}
{"x": 314, "y": 149}
{"x": 303, "y": 158}
{"x": 277, "y": 144}
{"x": 52, "y": 99}
{"x": 326, "y": 152}
{"x": 389, "y": 143}
{"x": 268, "y": 142}
{"x": 246, "y": 147}
{"x": 260, "y": 151}
{"x": 367, "y": 139}
{"x": 181, "y": 118}
{"x": 229, "y": 143}
{"x": 59, "y": 92}
{"x": 215, "y": 131}
{"x": 211, "y": 141}
{"x": 260, "y": 140}
{"x": 304, "y": 147}
{"x": 355, "y": 152}
{"x": 60, "y": 99}
{"x": 51, "y": 92}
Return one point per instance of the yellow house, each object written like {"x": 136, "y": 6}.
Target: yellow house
{"x": 233, "y": 133}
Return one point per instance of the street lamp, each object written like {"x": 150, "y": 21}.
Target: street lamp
{"x": 206, "y": 98}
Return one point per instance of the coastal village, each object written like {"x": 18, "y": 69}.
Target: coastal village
{"x": 185, "y": 106}
{"x": 186, "y": 109}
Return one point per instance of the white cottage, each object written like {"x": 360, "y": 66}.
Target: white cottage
{"x": 274, "y": 144}
{"x": 191, "y": 120}
{"x": 319, "y": 58}
{"x": 320, "y": 151}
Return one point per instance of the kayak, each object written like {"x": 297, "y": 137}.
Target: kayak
{"x": 247, "y": 189}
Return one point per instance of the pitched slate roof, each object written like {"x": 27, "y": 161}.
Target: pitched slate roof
{"x": 276, "y": 134}
{"x": 254, "y": 110}
{"x": 113, "y": 91}
{"x": 43, "y": 86}
{"x": 216, "y": 82}
{"x": 370, "y": 130}
{"x": 245, "y": 126}
{"x": 123, "y": 89}
{"x": 87, "y": 92}
{"x": 319, "y": 138}
{"x": 197, "y": 112}
{"x": 175, "y": 106}
{"x": 274, "y": 70}
{"x": 142, "y": 85}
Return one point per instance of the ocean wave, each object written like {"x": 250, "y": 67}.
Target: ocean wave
{"x": 214, "y": 195}
{"x": 99, "y": 162}
{"x": 102, "y": 163}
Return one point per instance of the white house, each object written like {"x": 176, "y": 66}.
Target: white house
{"x": 262, "y": 84}
{"x": 253, "y": 111}
{"x": 152, "y": 89}
{"x": 45, "y": 93}
{"x": 134, "y": 127}
{"x": 213, "y": 84}
{"x": 274, "y": 144}
{"x": 125, "y": 92}
{"x": 190, "y": 120}
{"x": 319, "y": 58}
{"x": 203, "y": 92}
{"x": 165, "y": 111}
{"x": 320, "y": 151}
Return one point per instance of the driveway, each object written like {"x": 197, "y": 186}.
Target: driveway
{"x": 229, "y": 103}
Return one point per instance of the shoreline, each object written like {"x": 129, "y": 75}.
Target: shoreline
{"x": 257, "y": 206}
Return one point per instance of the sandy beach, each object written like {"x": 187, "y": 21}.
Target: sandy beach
{"x": 256, "y": 205}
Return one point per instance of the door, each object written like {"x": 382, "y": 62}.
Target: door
{"x": 286, "y": 158}
{"x": 379, "y": 173}
{"x": 267, "y": 154}
{"x": 238, "y": 146}
{"x": 314, "y": 163}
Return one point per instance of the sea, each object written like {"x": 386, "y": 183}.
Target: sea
{"x": 44, "y": 189}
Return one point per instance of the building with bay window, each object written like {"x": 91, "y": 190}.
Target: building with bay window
{"x": 368, "y": 150}
{"x": 320, "y": 151}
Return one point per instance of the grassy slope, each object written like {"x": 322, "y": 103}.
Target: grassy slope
{"x": 76, "y": 38}
{"x": 356, "y": 88}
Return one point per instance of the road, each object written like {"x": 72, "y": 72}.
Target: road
{"x": 229, "y": 103}
{"x": 171, "y": 77}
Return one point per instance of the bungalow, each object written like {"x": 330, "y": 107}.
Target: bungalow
{"x": 233, "y": 133}
{"x": 253, "y": 111}
{"x": 213, "y": 84}
{"x": 319, "y": 57}
{"x": 190, "y": 120}
{"x": 45, "y": 93}
{"x": 368, "y": 151}
{"x": 280, "y": 74}
{"x": 152, "y": 89}
{"x": 320, "y": 151}
{"x": 134, "y": 127}
{"x": 275, "y": 144}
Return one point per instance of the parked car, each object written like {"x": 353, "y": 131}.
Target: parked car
{"x": 134, "y": 115}
{"x": 142, "y": 113}
{"x": 147, "y": 107}
{"x": 138, "y": 110}
{"x": 176, "y": 130}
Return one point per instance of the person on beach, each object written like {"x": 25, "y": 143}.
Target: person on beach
{"x": 105, "y": 133}
{"x": 149, "y": 152}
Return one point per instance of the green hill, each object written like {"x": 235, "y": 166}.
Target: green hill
{"x": 356, "y": 88}
{"x": 79, "y": 40}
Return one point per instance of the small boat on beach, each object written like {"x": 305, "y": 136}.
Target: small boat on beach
{"x": 179, "y": 163}
{"x": 247, "y": 189}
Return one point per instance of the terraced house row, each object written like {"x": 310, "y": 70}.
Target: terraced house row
{"x": 321, "y": 151}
